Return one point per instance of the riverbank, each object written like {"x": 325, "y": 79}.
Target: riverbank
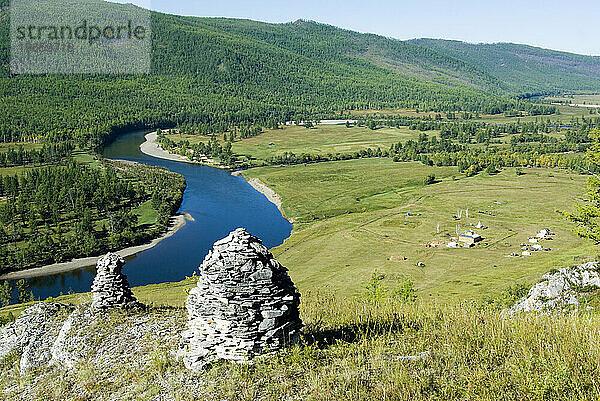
{"x": 177, "y": 222}
{"x": 152, "y": 148}
{"x": 271, "y": 195}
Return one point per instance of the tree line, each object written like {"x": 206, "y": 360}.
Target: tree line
{"x": 48, "y": 153}
{"x": 57, "y": 213}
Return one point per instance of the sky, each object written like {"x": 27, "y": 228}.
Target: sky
{"x": 561, "y": 25}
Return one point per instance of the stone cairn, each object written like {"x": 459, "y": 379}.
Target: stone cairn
{"x": 244, "y": 305}
{"x": 110, "y": 287}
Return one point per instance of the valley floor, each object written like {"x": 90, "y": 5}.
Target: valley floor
{"x": 354, "y": 217}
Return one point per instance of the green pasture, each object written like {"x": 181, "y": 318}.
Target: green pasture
{"x": 352, "y": 219}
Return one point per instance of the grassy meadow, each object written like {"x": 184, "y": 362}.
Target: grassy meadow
{"x": 321, "y": 139}
{"x": 352, "y": 219}
{"x": 339, "y": 139}
{"x": 590, "y": 99}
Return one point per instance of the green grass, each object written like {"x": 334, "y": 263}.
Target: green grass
{"x": 332, "y": 139}
{"x": 84, "y": 157}
{"x": 351, "y": 349}
{"x": 324, "y": 190}
{"x": 146, "y": 214}
{"x": 322, "y": 139}
{"x": 80, "y": 156}
{"x": 577, "y": 99}
{"x": 165, "y": 294}
{"x": 15, "y": 145}
{"x": 352, "y": 220}
{"x": 17, "y": 170}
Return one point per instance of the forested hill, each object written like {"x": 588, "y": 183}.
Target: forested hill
{"x": 498, "y": 68}
{"x": 309, "y": 43}
{"x": 218, "y": 71}
{"x": 524, "y": 69}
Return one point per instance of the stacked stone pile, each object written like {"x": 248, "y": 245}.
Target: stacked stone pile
{"x": 244, "y": 305}
{"x": 561, "y": 289}
{"x": 110, "y": 287}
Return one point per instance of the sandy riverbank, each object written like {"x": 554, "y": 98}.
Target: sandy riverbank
{"x": 271, "y": 195}
{"x": 151, "y": 148}
{"x": 177, "y": 222}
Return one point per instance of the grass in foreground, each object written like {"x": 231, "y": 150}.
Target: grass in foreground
{"x": 355, "y": 349}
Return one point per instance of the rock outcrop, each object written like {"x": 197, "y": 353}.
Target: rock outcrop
{"x": 560, "y": 290}
{"x": 110, "y": 288}
{"x": 57, "y": 334}
{"x": 52, "y": 334}
{"x": 244, "y": 305}
{"x": 32, "y": 335}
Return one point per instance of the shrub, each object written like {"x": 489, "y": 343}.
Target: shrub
{"x": 430, "y": 179}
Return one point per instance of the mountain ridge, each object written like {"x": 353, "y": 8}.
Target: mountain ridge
{"x": 224, "y": 71}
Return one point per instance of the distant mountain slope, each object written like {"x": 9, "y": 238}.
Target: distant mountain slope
{"x": 219, "y": 71}
{"x": 497, "y": 68}
{"x": 525, "y": 68}
{"x": 326, "y": 43}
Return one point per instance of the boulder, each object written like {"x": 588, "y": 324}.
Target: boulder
{"x": 244, "y": 305}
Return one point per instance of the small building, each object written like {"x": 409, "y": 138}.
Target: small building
{"x": 537, "y": 247}
{"x": 533, "y": 240}
{"x": 543, "y": 233}
{"x": 452, "y": 244}
{"x": 526, "y": 253}
{"x": 469, "y": 238}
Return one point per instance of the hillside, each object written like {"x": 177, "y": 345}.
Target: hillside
{"x": 218, "y": 71}
{"x": 351, "y": 349}
{"x": 524, "y": 69}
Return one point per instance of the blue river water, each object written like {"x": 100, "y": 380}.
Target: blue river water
{"x": 218, "y": 202}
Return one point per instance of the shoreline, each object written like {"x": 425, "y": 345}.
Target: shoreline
{"x": 179, "y": 221}
{"x": 151, "y": 148}
{"x": 271, "y": 195}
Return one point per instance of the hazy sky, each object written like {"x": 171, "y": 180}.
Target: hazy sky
{"x": 562, "y": 25}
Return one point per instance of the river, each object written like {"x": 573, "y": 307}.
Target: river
{"x": 218, "y": 202}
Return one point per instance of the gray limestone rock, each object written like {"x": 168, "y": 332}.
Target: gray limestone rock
{"x": 32, "y": 334}
{"x": 244, "y": 305}
{"x": 560, "y": 289}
